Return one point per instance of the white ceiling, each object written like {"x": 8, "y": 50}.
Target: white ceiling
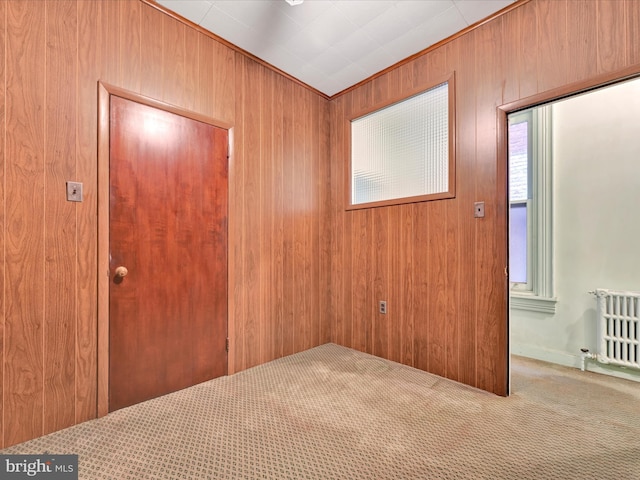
{"x": 333, "y": 44}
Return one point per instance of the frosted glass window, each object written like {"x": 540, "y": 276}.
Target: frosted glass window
{"x": 402, "y": 150}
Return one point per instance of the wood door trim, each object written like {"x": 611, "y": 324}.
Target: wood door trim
{"x": 104, "y": 94}
{"x": 582, "y": 86}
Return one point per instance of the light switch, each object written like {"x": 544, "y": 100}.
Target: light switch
{"x": 74, "y": 191}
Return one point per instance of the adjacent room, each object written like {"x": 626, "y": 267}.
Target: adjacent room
{"x": 297, "y": 239}
{"x": 580, "y": 203}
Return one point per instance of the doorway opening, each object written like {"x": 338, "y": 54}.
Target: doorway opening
{"x": 573, "y": 194}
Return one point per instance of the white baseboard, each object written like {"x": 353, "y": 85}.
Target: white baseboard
{"x": 573, "y": 361}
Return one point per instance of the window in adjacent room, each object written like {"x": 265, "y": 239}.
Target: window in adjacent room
{"x": 403, "y": 152}
{"x": 530, "y": 212}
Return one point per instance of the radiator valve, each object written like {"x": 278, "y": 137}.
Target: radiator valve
{"x": 584, "y": 355}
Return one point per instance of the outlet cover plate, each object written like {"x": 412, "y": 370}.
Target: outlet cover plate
{"x": 382, "y": 307}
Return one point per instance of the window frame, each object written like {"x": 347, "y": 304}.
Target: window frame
{"x": 451, "y": 190}
{"x": 514, "y": 119}
{"x": 537, "y": 294}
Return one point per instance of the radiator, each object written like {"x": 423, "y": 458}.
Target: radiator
{"x": 618, "y": 327}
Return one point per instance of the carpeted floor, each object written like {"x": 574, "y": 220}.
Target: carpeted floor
{"x": 334, "y": 413}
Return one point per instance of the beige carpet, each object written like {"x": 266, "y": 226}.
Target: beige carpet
{"x": 334, "y": 413}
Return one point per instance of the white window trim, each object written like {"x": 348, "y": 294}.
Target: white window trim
{"x": 537, "y": 295}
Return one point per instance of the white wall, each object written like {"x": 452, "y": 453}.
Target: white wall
{"x": 596, "y": 169}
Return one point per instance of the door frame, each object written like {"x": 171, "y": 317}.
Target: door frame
{"x": 105, "y": 91}
{"x": 502, "y": 127}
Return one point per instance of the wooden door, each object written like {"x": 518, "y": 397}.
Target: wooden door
{"x": 168, "y": 229}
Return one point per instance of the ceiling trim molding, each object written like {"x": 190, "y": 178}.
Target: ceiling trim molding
{"x": 433, "y": 47}
{"x": 204, "y": 31}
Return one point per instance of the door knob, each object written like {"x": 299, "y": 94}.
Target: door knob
{"x": 121, "y": 272}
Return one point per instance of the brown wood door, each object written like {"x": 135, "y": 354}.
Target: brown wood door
{"x": 168, "y": 228}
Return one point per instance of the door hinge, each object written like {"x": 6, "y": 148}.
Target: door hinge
{"x": 506, "y": 272}
{"x": 226, "y": 345}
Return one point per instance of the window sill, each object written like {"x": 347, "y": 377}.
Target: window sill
{"x": 533, "y": 303}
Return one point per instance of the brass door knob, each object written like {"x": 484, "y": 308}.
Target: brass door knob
{"x": 121, "y": 272}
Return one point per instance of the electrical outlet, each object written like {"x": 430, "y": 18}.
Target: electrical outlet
{"x": 74, "y": 191}
{"x": 382, "y": 307}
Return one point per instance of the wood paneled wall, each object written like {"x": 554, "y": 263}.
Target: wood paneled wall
{"x": 53, "y": 54}
{"x": 279, "y": 235}
{"x": 303, "y": 271}
{"x": 440, "y": 269}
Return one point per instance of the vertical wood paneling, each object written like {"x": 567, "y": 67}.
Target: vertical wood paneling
{"x": 433, "y": 244}
{"x": 191, "y": 70}
{"x": 552, "y": 46}
{"x": 307, "y": 201}
{"x": 583, "y": 42}
{"x": 314, "y": 216}
{"x": 611, "y": 28}
{"x": 3, "y": 188}
{"x": 60, "y": 218}
{"x": 395, "y": 288}
{"x": 465, "y": 171}
{"x": 632, "y": 15}
{"x": 451, "y": 242}
{"x": 277, "y": 278}
{"x": 323, "y": 176}
{"x": 89, "y": 25}
{"x": 336, "y": 302}
{"x": 237, "y": 310}
{"x": 224, "y": 84}
{"x": 252, "y": 91}
{"x": 436, "y": 278}
{"x": 151, "y": 53}
{"x": 173, "y": 61}
{"x": 407, "y": 283}
{"x": 130, "y": 45}
{"x": 206, "y": 66}
{"x": 350, "y": 263}
{"x": 422, "y": 288}
{"x": 379, "y": 280}
{"x": 430, "y": 67}
{"x": 380, "y": 89}
{"x": 24, "y": 210}
{"x": 526, "y": 38}
{"x": 299, "y": 274}
{"x": 289, "y": 205}
{"x": 110, "y": 41}
{"x": 361, "y": 283}
{"x": 395, "y": 261}
{"x": 491, "y": 321}
{"x": 452, "y": 288}
{"x": 266, "y": 220}
{"x": 510, "y": 50}
{"x": 276, "y": 260}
